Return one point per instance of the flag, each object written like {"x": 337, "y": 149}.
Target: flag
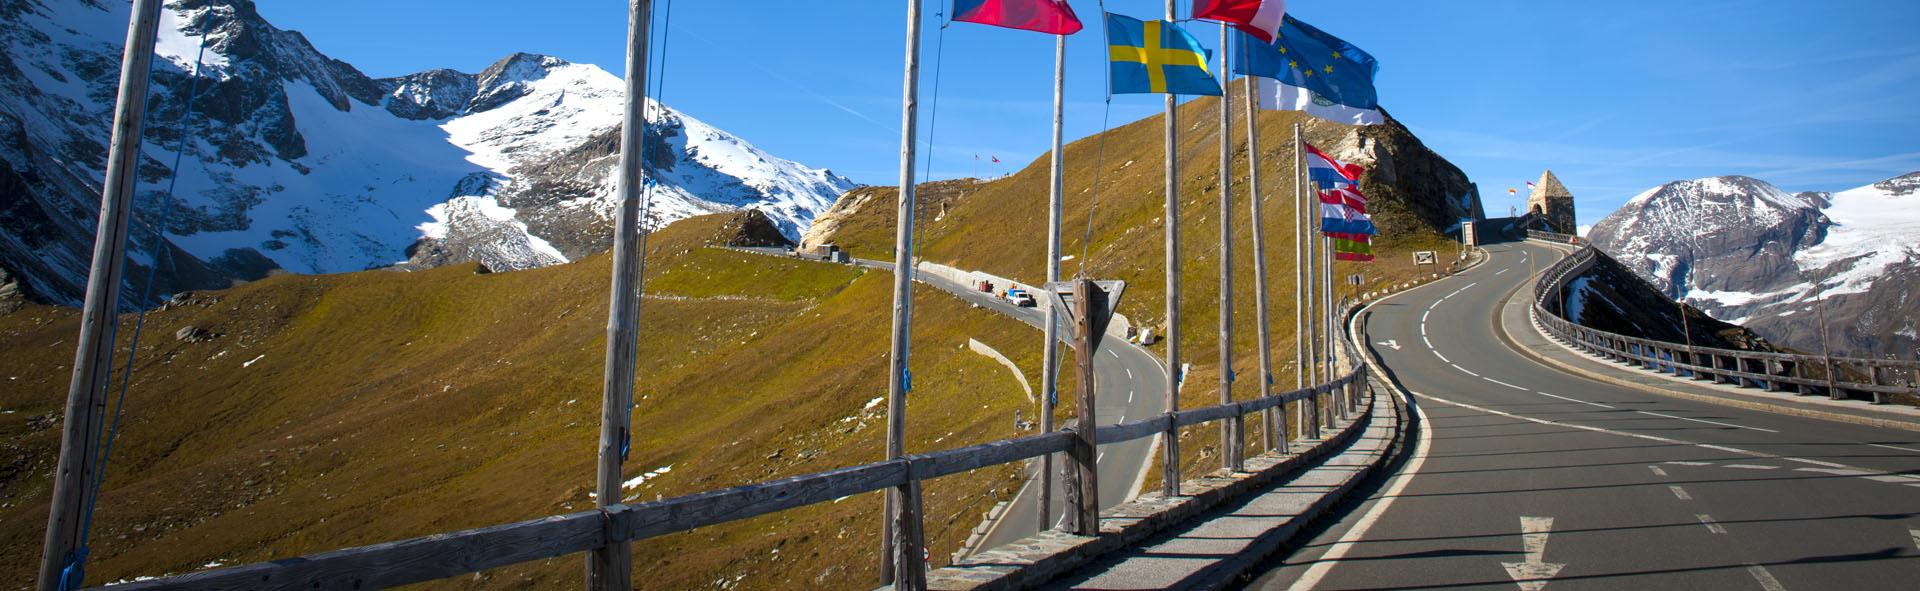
{"x": 1351, "y": 247}
{"x": 1530, "y": 185}
{"x": 1343, "y": 209}
{"x": 1306, "y": 69}
{"x": 1512, "y": 191}
{"x": 1156, "y": 57}
{"x": 1259, "y": 18}
{"x": 1045, "y": 16}
{"x": 996, "y": 159}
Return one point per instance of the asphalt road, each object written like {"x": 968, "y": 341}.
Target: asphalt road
{"x": 1129, "y": 383}
{"x": 1524, "y": 476}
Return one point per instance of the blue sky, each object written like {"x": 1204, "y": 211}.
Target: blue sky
{"x": 1615, "y": 97}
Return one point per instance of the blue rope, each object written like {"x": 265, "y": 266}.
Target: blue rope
{"x": 74, "y": 574}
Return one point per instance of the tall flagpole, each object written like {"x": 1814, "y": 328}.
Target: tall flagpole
{"x": 1275, "y": 430}
{"x": 74, "y": 480}
{"x": 1229, "y": 430}
{"x": 1300, "y": 360}
{"x": 1310, "y": 253}
{"x": 611, "y": 566}
{"x": 1170, "y": 440}
{"x": 1050, "y": 368}
{"x": 897, "y": 515}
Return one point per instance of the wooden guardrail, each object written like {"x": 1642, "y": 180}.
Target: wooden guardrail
{"x": 452, "y": 554}
{"x": 1836, "y": 377}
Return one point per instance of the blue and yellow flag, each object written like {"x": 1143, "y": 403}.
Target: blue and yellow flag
{"x": 1156, "y": 57}
{"x": 1307, "y": 69}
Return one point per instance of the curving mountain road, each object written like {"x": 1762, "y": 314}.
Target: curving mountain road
{"x": 1525, "y": 476}
{"x": 1130, "y": 382}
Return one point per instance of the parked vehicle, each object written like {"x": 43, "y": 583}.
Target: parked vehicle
{"x": 1021, "y": 298}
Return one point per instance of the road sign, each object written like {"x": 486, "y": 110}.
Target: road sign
{"x": 1062, "y": 294}
{"x": 1425, "y": 257}
{"x": 1356, "y": 280}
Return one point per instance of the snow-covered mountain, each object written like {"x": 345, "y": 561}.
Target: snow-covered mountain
{"x": 1749, "y": 253}
{"x": 299, "y": 162}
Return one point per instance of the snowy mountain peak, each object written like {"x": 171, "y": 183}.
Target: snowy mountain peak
{"x": 510, "y": 166}
{"x": 1747, "y": 252}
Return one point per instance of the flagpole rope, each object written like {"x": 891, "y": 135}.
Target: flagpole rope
{"x": 1100, "y": 156}
{"x": 659, "y": 82}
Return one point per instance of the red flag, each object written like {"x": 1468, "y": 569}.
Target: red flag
{"x": 1260, "y": 18}
{"x": 996, "y": 159}
{"x": 1045, "y": 16}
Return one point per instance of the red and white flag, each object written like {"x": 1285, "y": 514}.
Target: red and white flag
{"x": 1260, "y": 18}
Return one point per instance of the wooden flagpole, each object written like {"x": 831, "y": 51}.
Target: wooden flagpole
{"x": 1050, "y": 369}
{"x": 901, "y": 562}
{"x": 1230, "y": 440}
{"x": 62, "y": 557}
{"x": 610, "y": 567}
{"x": 1170, "y": 440}
{"x": 1274, "y": 420}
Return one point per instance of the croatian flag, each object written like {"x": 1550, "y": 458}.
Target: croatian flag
{"x": 1259, "y": 18}
{"x": 1343, "y": 209}
{"x": 1045, "y": 16}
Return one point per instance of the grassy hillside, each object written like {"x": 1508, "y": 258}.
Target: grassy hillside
{"x": 1000, "y": 226}
{"x": 329, "y": 411}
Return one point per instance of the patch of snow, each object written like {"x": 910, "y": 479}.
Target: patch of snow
{"x": 252, "y": 361}
{"x": 1872, "y": 229}
{"x": 1577, "y": 298}
{"x": 873, "y": 403}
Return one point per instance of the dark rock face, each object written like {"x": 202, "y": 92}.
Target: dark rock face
{"x": 1408, "y": 185}
{"x": 1612, "y": 298}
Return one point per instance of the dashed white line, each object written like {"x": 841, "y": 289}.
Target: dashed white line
{"x": 1815, "y": 462}
{"x": 1129, "y": 373}
{"x": 1765, "y": 578}
{"x": 1752, "y": 467}
{"x": 1666, "y": 416}
{"x": 1424, "y": 315}
{"x": 1712, "y": 526}
{"x": 1895, "y": 447}
{"x": 1685, "y": 463}
{"x": 1571, "y": 399}
{"x": 1505, "y": 384}
{"x": 1115, "y": 354}
{"x": 1130, "y": 397}
{"x": 1464, "y": 370}
{"x": 1500, "y": 271}
{"x": 1680, "y": 493}
{"x": 1658, "y": 471}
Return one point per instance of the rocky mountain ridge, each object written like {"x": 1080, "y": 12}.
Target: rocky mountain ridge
{"x": 1749, "y": 253}
{"x": 300, "y": 162}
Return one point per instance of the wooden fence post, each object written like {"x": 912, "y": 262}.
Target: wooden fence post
{"x": 909, "y": 534}
{"x": 1083, "y": 488}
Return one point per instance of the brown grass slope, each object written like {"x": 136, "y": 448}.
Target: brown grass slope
{"x": 340, "y": 410}
{"x": 1000, "y": 226}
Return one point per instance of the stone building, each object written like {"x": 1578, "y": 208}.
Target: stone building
{"x": 1551, "y": 205}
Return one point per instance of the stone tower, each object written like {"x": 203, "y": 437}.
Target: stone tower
{"x": 1551, "y": 201}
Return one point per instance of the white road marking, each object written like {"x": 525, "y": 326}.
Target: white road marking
{"x": 1684, "y": 463}
{"x": 1815, "y": 462}
{"x": 1665, "y": 416}
{"x": 1318, "y": 570}
{"x": 1499, "y": 271}
{"x": 1834, "y": 471}
{"x": 1505, "y": 384}
{"x": 1436, "y": 352}
{"x": 1130, "y": 397}
{"x": 1680, "y": 493}
{"x": 1464, "y": 370}
{"x": 1915, "y": 532}
{"x": 1667, "y": 440}
{"x": 1765, "y": 578}
{"x": 1424, "y": 315}
{"x": 1895, "y": 447}
{"x": 1533, "y": 574}
{"x": 1423, "y": 330}
{"x": 1129, "y": 373}
{"x": 1572, "y": 399}
{"x": 1115, "y": 354}
{"x": 1712, "y": 526}
{"x": 1752, "y": 467}
{"x": 1658, "y": 471}
{"x": 1390, "y": 343}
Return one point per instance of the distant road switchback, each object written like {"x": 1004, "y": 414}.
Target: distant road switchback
{"x": 1525, "y": 476}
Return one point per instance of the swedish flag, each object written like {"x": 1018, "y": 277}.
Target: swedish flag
{"x": 1156, "y": 57}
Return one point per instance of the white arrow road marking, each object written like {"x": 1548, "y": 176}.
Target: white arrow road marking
{"x": 1915, "y": 532}
{"x": 1533, "y": 574}
{"x": 1390, "y": 343}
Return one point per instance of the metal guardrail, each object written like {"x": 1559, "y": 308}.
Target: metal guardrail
{"x": 1836, "y": 377}
{"x": 1553, "y": 237}
{"x": 451, "y": 554}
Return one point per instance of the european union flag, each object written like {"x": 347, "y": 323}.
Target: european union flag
{"x": 1312, "y": 71}
{"x": 1156, "y": 57}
